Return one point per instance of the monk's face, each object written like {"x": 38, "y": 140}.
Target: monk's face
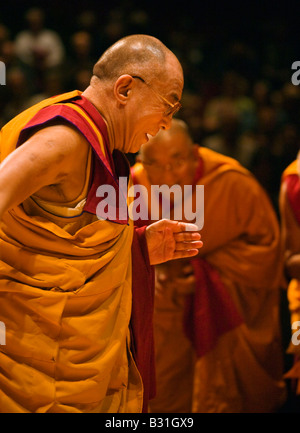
{"x": 152, "y": 106}
{"x": 170, "y": 159}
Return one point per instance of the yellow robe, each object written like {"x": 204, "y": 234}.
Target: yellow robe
{"x": 65, "y": 297}
{"x": 242, "y": 372}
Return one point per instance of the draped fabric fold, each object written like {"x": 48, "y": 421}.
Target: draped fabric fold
{"x": 209, "y": 311}
{"x": 142, "y": 314}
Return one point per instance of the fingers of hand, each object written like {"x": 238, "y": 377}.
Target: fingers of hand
{"x": 185, "y": 254}
{"x": 186, "y": 227}
{"x": 188, "y": 241}
{"x": 184, "y": 246}
{"x": 161, "y": 278}
{"x": 185, "y": 281}
{"x": 187, "y": 236}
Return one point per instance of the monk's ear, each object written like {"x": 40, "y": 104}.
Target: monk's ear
{"x": 138, "y": 158}
{"x": 122, "y": 88}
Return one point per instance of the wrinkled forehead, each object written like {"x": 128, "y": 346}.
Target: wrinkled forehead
{"x": 176, "y": 75}
{"x": 171, "y": 78}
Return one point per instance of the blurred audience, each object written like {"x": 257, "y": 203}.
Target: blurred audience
{"x": 38, "y": 46}
{"x": 236, "y": 100}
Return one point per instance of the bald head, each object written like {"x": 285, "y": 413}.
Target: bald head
{"x": 164, "y": 137}
{"x": 134, "y": 55}
{"x": 136, "y": 86}
{"x": 178, "y": 126}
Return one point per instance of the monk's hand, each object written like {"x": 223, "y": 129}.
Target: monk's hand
{"x": 161, "y": 282}
{"x": 169, "y": 240}
{"x": 185, "y": 282}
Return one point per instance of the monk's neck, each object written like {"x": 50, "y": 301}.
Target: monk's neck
{"x": 103, "y": 105}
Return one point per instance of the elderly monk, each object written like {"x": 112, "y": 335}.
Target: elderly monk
{"x": 75, "y": 282}
{"x": 216, "y": 317}
{"x": 289, "y": 205}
